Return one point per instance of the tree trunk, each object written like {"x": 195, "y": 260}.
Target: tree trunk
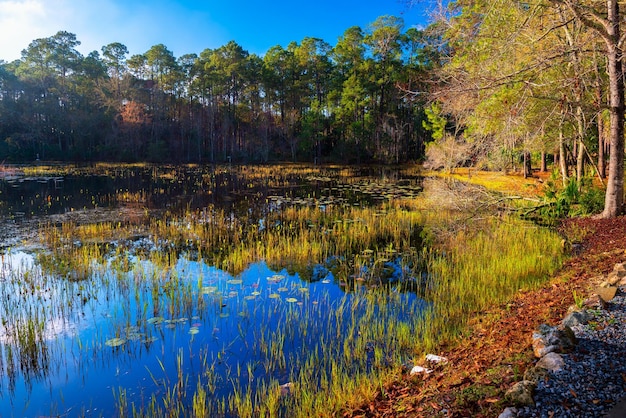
{"x": 614, "y": 198}
{"x": 580, "y": 163}
{"x": 528, "y": 171}
{"x": 544, "y": 162}
{"x": 562, "y": 158}
{"x": 601, "y": 162}
{"x": 580, "y": 155}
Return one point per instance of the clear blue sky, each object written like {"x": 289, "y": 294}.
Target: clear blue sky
{"x": 190, "y": 26}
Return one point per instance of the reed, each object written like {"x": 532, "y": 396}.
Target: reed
{"x": 407, "y": 289}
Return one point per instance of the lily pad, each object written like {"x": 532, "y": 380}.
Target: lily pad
{"x": 155, "y": 320}
{"x": 282, "y": 289}
{"x": 135, "y": 336}
{"x": 250, "y": 297}
{"x": 275, "y": 278}
{"x": 255, "y": 293}
{"x": 207, "y": 290}
{"x": 193, "y": 330}
{"x": 234, "y": 281}
{"x": 291, "y": 300}
{"x": 114, "y": 342}
{"x": 274, "y": 296}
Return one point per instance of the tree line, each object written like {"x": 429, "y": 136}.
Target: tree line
{"x": 309, "y": 101}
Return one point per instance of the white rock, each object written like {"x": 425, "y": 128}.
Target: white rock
{"x": 419, "y": 369}
{"x": 436, "y": 359}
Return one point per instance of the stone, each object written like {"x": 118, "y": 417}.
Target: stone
{"x": 567, "y": 337}
{"x": 576, "y": 318}
{"x": 419, "y": 370}
{"x": 509, "y": 412}
{"x": 551, "y": 361}
{"x": 549, "y": 339}
{"x": 535, "y": 374}
{"x": 606, "y": 293}
{"x": 521, "y": 393}
{"x": 594, "y": 302}
{"x": 620, "y": 269}
{"x": 432, "y": 358}
{"x": 612, "y": 279}
{"x": 540, "y": 349}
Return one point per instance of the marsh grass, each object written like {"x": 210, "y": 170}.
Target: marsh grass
{"x": 484, "y": 268}
{"x": 334, "y": 353}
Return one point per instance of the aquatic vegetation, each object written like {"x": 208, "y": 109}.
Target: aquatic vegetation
{"x": 299, "y": 305}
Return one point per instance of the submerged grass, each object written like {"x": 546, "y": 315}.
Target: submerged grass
{"x": 367, "y": 334}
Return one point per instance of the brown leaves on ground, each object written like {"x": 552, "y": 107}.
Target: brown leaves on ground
{"x": 496, "y": 350}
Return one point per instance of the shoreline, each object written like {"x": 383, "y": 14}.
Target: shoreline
{"x": 496, "y": 350}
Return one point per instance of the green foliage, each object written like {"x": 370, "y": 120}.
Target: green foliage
{"x": 591, "y": 200}
{"x": 571, "y": 200}
{"x": 435, "y": 122}
{"x": 579, "y": 300}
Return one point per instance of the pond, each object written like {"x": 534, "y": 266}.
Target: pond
{"x": 146, "y": 290}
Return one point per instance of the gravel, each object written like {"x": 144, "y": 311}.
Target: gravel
{"x": 593, "y": 379}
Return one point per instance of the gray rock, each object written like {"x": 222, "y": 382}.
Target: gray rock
{"x": 521, "y": 393}
{"x": 551, "y": 361}
{"x": 549, "y": 339}
{"x": 509, "y": 412}
{"x": 577, "y": 318}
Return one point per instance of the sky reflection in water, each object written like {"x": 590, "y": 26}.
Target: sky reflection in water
{"x": 194, "y": 314}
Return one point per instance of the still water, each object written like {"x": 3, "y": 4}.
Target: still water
{"x": 134, "y": 332}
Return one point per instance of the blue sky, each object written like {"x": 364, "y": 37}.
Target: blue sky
{"x": 190, "y": 26}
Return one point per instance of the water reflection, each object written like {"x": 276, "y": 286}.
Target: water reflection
{"x": 177, "y": 188}
{"x": 140, "y": 328}
{"x": 88, "y": 337}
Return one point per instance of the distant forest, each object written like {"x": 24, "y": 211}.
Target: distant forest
{"x": 311, "y": 101}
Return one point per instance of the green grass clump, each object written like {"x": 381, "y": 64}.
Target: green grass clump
{"x": 485, "y": 268}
